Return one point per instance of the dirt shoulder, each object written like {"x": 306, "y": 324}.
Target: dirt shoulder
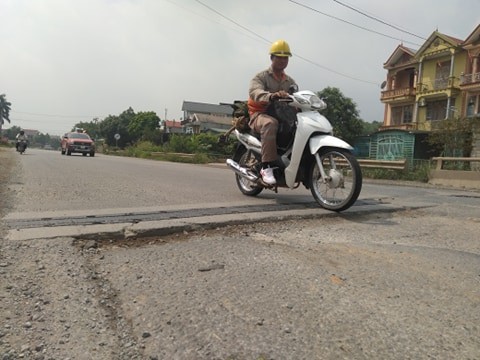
{"x": 52, "y": 303}
{"x": 7, "y": 165}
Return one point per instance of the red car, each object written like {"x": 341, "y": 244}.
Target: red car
{"x": 76, "y": 142}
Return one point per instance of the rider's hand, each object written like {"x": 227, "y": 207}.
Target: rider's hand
{"x": 279, "y": 94}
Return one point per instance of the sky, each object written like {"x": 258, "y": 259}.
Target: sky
{"x": 69, "y": 61}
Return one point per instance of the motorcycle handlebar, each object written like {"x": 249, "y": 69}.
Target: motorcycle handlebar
{"x": 286, "y": 100}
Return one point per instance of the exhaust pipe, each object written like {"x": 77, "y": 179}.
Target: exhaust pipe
{"x": 241, "y": 170}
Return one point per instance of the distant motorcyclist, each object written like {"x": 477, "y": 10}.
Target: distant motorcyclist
{"x": 21, "y": 137}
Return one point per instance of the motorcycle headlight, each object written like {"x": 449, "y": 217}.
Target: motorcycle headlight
{"x": 316, "y": 102}
{"x": 301, "y": 99}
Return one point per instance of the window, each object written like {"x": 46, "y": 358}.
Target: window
{"x": 437, "y": 110}
{"x": 442, "y": 74}
{"x": 407, "y": 114}
{"x": 471, "y": 105}
{"x": 402, "y": 114}
{"x": 396, "y": 115}
{"x": 79, "y": 136}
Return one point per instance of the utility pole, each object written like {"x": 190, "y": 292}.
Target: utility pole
{"x": 165, "y": 130}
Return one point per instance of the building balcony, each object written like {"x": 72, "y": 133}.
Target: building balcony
{"x": 406, "y": 126}
{"x": 450, "y": 84}
{"x": 470, "y": 80}
{"x": 398, "y": 94}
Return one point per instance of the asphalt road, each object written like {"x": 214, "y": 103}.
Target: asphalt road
{"x": 122, "y": 197}
{"x": 395, "y": 277}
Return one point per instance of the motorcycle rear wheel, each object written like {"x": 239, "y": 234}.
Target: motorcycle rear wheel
{"x": 246, "y": 186}
{"x": 344, "y": 180}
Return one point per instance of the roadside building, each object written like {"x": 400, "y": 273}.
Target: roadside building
{"x": 31, "y": 133}
{"x": 439, "y": 81}
{"x": 173, "y": 127}
{"x": 202, "y": 117}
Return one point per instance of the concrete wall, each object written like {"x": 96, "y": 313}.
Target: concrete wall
{"x": 454, "y": 178}
{"x": 461, "y": 179}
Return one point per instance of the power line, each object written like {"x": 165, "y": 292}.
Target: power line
{"x": 233, "y": 21}
{"x": 334, "y": 71}
{"x": 350, "y": 23}
{"x": 379, "y": 20}
{"x": 269, "y": 41}
{"x": 202, "y": 16}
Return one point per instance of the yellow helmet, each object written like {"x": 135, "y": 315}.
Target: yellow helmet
{"x": 280, "y": 48}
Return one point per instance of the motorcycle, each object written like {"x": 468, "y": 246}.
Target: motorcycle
{"x": 311, "y": 156}
{"x": 22, "y": 146}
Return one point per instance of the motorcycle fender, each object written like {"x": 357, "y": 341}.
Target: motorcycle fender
{"x": 315, "y": 143}
{"x": 319, "y": 141}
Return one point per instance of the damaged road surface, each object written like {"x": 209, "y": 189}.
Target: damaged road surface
{"x": 355, "y": 286}
{"x": 161, "y": 220}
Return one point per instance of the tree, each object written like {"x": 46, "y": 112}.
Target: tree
{"x": 454, "y": 137}
{"x": 108, "y": 128}
{"x": 143, "y": 124}
{"x": 12, "y": 132}
{"x": 342, "y": 113}
{"x": 112, "y": 125}
{"x": 4, "y": 110}
{"x": 41, "y": 139}
{"x": 370, "y": 127}
{"x": 92, "y": 128}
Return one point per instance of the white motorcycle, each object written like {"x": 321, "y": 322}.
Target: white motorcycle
{"x": 311, "y": 156}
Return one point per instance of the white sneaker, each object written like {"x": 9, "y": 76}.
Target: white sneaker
{"x": 267, "y": 176}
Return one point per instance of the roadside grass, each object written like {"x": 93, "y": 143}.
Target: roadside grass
{"x": 7, "y": 165}
{"x": 419, "y": 174}
{"x": 147, "y": 150}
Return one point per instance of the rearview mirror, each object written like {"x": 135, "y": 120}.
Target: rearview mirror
{"x": 293, "y": 89}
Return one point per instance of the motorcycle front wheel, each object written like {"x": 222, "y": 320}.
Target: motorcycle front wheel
{"x": 247, "y": 187}
{"x": 343, "y": 183}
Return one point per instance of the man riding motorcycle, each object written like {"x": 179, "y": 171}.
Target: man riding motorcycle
{"x": 21, "y": 137}
{"x": 266, "y": 86}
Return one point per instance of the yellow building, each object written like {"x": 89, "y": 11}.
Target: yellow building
{"x": 438, "y": 81}
{"x": 441, "y": 61}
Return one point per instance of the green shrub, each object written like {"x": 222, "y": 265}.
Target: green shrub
{"x": 199, "y": 149}
{"x": 387, "y": 174}
{"x": 180, "y": 143}
{"x": 142, "y": 149}
{"x": 419, "y": 173}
